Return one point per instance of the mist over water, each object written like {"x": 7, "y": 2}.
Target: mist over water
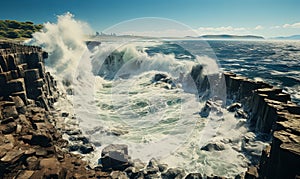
{"x": 115, "y": 99}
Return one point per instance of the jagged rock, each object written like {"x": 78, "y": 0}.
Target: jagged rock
{"x": 115, "y": 156}
{"x": 8, "y": 128}
{"x": 175, "y": 173}
{"x": 234, "y": 107}
{"x": 194, "y": 176}
{"x": 241, "y": 114}
{"x": 164, "y": 80}
{"x": 12, "y": 156}
{"x": 20, "y": 106}
{"x": 10, "y": 111}
{"x": 211, "y": 106}
{"x": 213, "y": 146}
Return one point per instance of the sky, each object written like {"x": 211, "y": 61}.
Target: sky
{"x": 179, "y": 17}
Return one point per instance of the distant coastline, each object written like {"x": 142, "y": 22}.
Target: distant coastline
{"x": 226, "y": 36}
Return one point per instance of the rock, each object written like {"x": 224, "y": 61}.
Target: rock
{"x": 73, "y": 132}
{"x": 164, "y": 81}
{"x": 240, "y": 114}
{"x": 175, "y": 173}
{"x": 32, "y": 163}
{"x": 64, "y": 114}
{"x": 25, "y": 174}
{"x": 118, "y": 175}
{"x": 12, "y": 156}
{"x": 159, "y": 77}
{"x": 19, "y": 104}
{"x": 83, "y": 139}
{"x": 7, "y": 120}
{"x": 217, "y": 146}
{"x": 41, "y": 152}
{"x": 201, "y": 80}
{"x": 211, "y": 106}
{"x": 194, "y": 176}
{"x": 131, "y": 172}
{"x": 85, "y": 149}
{"x": 251, "y": 173}
{"x": 233, "y": 107}
{"x": 50, "y": 168}
{"x": 8, "y": 128}
{"x": 162, "y": 167}
{"x": 138, "y": 164}
{"x": 43, "y": 140}
{"x": 10, "y": 111}
{"x": 115, "y": 156}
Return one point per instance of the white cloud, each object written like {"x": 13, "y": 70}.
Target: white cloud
{"x": 275, "y": 27}
{"x": 295, "y": 25}
{"x": 222, "y": 30}
{"x": 259, "y": 27}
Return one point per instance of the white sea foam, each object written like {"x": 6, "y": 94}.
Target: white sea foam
{"x": 151, "y": 120}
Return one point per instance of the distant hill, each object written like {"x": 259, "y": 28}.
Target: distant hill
{"x": 293, "y": 37}
{"x": 12, "y": 29}
{"x": 225, "y": 36}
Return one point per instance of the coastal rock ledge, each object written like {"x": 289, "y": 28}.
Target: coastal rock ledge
{"x": 270, "y": 111}
{"x": 31, "y": 146}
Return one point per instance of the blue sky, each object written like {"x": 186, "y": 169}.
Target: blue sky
{"x": 259, "y": 17}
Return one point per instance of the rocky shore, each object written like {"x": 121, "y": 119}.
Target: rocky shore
{"x": 31, "y": 143}
{"x": 271, "y": 112}
{"x": 31, "y": 129}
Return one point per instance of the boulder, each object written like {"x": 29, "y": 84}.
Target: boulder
{"x": 159, "y": 77}
{"x": 50, "y": 168}
{"x": 213, "y": 146}
{"x": 176, "y": 173}
{"x": 234, "y": 107}
{"x": 115, "y": 157}
{"x": 10, "y": 111}
{"x": 41, "y": 139}
{"x": 12, "y": 156}
{"x": 194, "y": 176}
{"x": 8, "y": 128}
{"x": 32, "y": 163}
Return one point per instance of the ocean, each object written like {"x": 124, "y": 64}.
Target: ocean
{"x": 113, "y": 92}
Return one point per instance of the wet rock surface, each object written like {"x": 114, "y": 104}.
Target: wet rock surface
{"x": 30, "y": 144}
{"x": 269, "y": 111}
